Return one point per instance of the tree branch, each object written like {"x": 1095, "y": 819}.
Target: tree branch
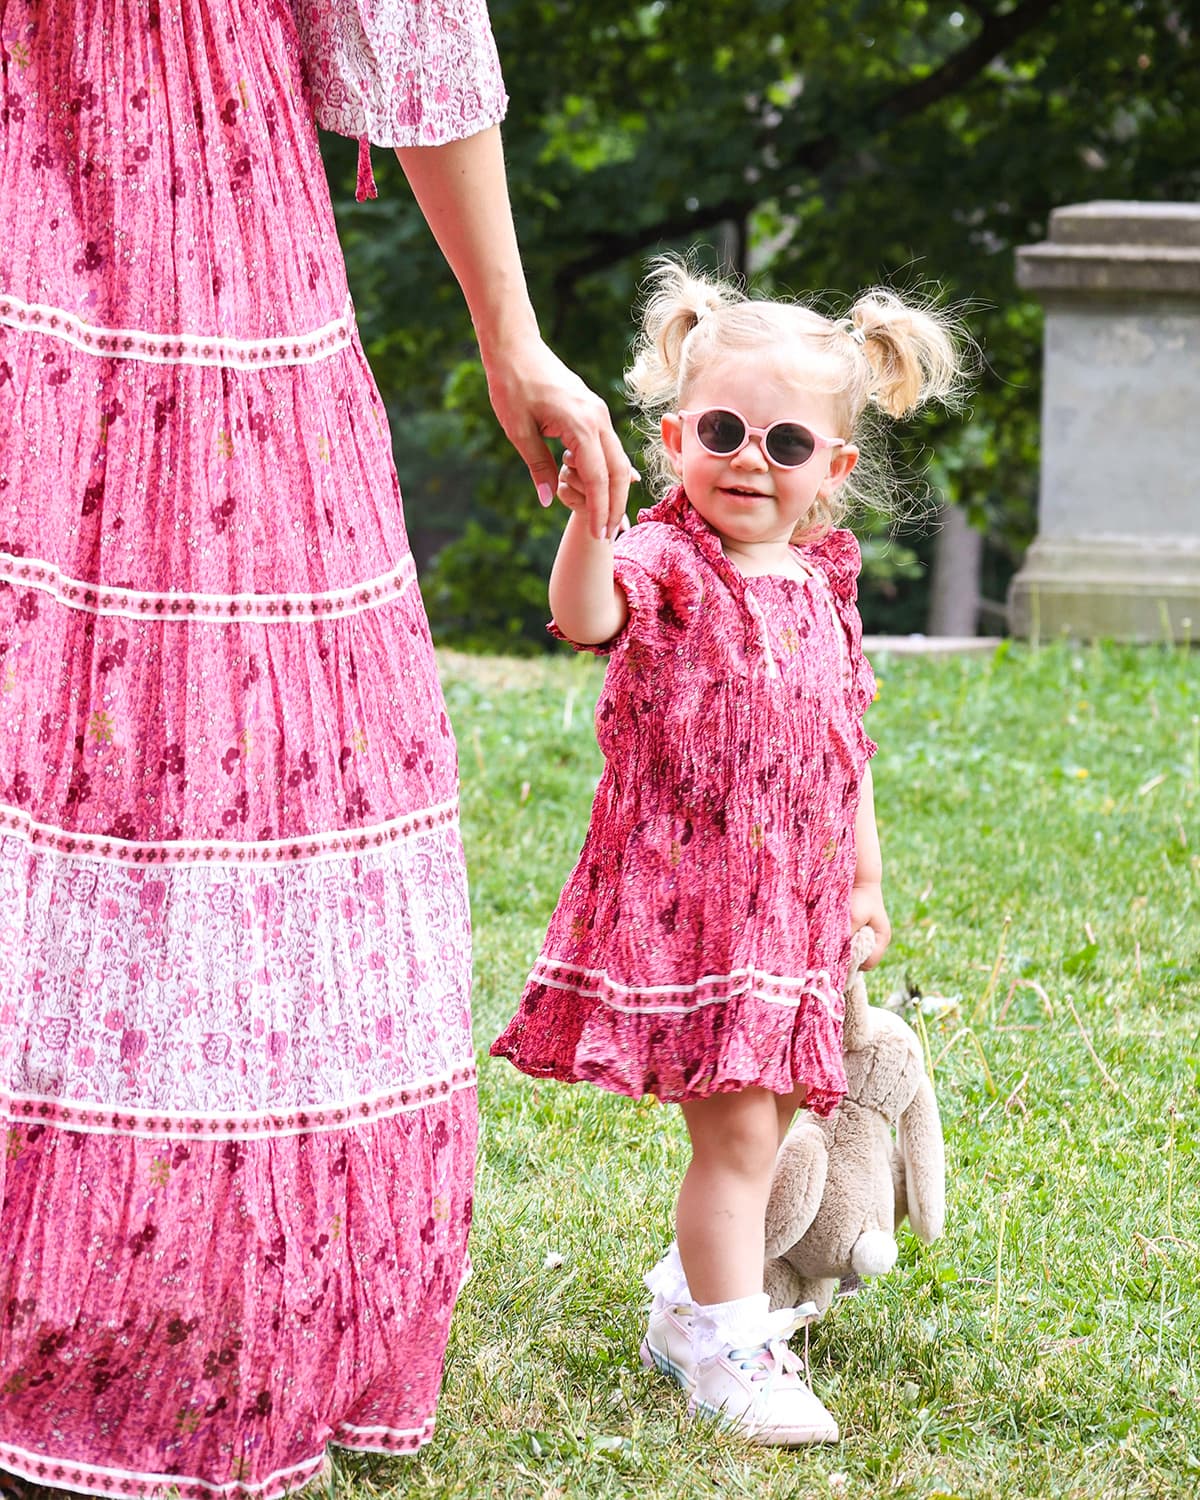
{"x": 996, "y": 34}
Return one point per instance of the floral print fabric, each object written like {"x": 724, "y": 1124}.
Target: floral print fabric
{"x": 701, "y": 943}
{"x": 280, "y": 989}
{"x": 183, "y": 1314}
{"x": 236, "y": 1068}
{"x": 402, "y": 72}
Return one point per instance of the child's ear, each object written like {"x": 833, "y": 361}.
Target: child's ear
{"x": 672, "y": 436}
{"x": 839, "y": 469}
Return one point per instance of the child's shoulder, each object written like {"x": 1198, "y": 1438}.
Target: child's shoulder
{"x": 839, "y": 557}
{"x": 649, "y": 541}
{"x": 664, "y": 575}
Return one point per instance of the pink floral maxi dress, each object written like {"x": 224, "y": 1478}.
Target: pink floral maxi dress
{"x": 235, "y": 1060}
{"x": 702, "y": 941}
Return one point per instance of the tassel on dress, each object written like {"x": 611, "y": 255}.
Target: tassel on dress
{"x": 366, "y": 178}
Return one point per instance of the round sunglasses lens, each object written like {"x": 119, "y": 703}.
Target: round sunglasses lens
{"x": 790, "y": 444}
{"x": 720, "y": 431}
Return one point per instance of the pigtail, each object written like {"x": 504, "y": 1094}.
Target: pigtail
{"x": 914, "y": 352}
{"x": 676, "y": 302}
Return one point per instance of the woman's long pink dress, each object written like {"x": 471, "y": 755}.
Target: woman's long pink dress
{"x": 236, "y": 1070}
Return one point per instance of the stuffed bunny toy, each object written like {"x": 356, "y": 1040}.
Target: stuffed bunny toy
{"x": 843, "y": 1184}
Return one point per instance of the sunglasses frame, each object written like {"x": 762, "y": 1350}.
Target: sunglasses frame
{"x": 763, "y": 434}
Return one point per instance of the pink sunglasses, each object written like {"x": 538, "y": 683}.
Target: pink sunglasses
{"x": 724, "y": 432}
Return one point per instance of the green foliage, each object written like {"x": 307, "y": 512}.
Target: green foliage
{"x": 1040, "y": 813}
{"x": 913, "y": 142}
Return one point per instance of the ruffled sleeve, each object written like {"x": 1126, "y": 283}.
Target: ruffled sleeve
{"x": 658, "y": 570}
{"x": 401, "y": 72}
{"x": 840, "y": 560}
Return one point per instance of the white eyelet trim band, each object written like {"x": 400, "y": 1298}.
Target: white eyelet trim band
{"x": 178, "y": 348}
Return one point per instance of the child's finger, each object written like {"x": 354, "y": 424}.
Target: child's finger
{"x": 569, "y": 480}
{"x": 570, "y": 491}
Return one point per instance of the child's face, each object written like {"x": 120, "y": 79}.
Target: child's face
{"x": 745, "y": 498}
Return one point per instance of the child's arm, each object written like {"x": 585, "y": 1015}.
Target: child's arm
{"x": 588, "y": 605}
{"x": 866, "y": 898}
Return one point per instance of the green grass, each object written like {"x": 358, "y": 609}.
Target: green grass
{"x": 1040, "y": 813}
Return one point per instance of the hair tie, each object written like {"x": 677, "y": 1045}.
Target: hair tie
{"x": 855, "y": 333}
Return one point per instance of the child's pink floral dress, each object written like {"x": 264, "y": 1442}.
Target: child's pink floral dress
{"x": 701, "y": 943}
{"x": 236, "y": 1071}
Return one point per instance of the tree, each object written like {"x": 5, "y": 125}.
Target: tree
{"x": 830, "y": 146}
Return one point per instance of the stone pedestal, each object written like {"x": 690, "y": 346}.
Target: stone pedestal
{"x": 1118, "y": 546}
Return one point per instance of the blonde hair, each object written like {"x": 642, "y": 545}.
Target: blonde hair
{"x": 882, "y": 356}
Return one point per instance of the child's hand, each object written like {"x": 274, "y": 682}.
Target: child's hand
{"x": 571, "y": 491}
{"x": 867, "y": 910}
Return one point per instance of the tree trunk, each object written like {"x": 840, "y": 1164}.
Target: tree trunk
{"x": 954, "y": 583}
{"x": 730, "y": 243}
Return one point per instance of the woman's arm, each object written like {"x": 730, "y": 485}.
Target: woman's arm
{"x": 462, "y": 190}
{"x": 866, "y": 898}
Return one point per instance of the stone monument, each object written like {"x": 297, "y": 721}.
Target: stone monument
{"x": 1118, "y": 546}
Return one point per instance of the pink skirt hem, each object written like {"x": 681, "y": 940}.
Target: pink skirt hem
{"x": 721, "y": 1047}
{"x": 193, "y": 1317}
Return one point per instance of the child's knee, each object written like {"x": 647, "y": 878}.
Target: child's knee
{"x": 739, "y": 1133}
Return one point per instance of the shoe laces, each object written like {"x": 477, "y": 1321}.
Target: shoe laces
{"x": 773, "y": 1358}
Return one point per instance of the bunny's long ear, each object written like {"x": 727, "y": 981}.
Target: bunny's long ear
{"x": 801, "y": 1169}
{"x": 919, "y": 1135}
{"x": 854, "y": 1031}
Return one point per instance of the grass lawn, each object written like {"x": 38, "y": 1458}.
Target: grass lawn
{"x": 1040, "y": 813}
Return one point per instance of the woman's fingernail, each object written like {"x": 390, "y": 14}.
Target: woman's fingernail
{"x": 634, "y": 477}
{"x": 545, "y": 494}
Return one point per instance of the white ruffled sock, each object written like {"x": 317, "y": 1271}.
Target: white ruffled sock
{"x": 740, "y": 1324}
{"x": 667, "y": 1281}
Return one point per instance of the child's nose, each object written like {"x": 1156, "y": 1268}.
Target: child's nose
{"x": 752, "y": 456}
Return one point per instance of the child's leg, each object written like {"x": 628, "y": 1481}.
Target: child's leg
{"x": 668, "y": 1280}
{"x": 720, "y": 1215}
{"x": 742, "y": 1371}
{"x": 723, "y": 1198}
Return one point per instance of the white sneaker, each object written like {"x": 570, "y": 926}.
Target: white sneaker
{"x": 760, "y": 1393}
{"x": 667, "y": 1346}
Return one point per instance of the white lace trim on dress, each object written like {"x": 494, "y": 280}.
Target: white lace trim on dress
{"x": 17, "y": 828}
{"x": 36, "y": 1467}
{"x": 711, "y": 989}
{"x": 178, "y": 348}
{"x": 217, "y": 609}
{"x": 348, "y": 1114}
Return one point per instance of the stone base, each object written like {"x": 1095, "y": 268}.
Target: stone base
{"x": 929, "y": 645}
{"x": 1116, "y": 588}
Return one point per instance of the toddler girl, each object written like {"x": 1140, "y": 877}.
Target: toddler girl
{"x": 700, "y": 946}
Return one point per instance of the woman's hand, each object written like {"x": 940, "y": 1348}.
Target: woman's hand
{"x": 867, "y": 910}
{"x": 535, "y": 397}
